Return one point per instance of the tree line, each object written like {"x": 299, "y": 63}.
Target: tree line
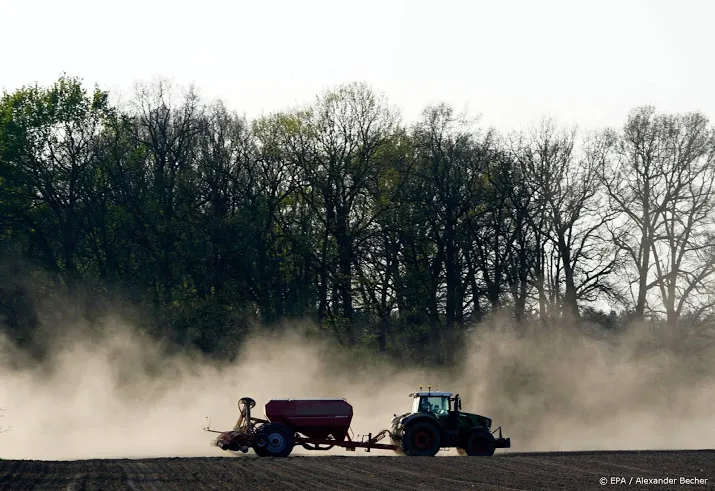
{"x": 392, "y": 236}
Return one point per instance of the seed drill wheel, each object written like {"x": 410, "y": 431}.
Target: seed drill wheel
{"x": 479, "y": 443}
{"x": 274, "y": 440}
{"x": 259, "y": 444}
{"x": 421, "y": 439}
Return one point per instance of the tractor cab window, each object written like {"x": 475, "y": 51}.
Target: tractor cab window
{"x": 434, "y": 405}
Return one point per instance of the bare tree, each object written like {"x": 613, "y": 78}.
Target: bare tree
{"x": 166, "y": 133}
{"x": 337, "y": 149}
{"x": 684, "y": 252}
{"x": 224, "y": 156}
{"x": 568, "y": 217}
{"x": 660, "y": 181}
{"x": 452, "y": 157}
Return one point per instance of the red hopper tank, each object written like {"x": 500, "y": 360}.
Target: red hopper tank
{"x": 314, "y": 418}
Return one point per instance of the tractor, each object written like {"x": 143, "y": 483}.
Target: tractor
{"x": 436, "y": 421}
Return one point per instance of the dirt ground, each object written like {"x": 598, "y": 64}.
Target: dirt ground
{"x": 527, "y": 471}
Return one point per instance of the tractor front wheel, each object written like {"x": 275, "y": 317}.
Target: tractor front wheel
{"x": 479, "y": 443}
{"x": 421, "y": 439}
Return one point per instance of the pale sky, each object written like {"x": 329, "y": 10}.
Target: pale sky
{"x": 513, "y": 62}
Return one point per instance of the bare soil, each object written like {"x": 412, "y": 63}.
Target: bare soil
{"x": 513, "y": 471}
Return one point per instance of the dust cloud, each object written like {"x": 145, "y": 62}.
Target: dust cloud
{"x": 565, "y": 390}
{"x": 125, "y": 395}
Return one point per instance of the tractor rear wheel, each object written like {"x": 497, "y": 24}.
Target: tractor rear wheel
{"x": 421, "y": 439}
{"x": 274, "y": 440}
{"x": 479, "y": 443}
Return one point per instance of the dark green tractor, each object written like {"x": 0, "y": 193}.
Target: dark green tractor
{"x": 436, "y": 421}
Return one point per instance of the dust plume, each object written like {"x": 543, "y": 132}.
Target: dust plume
{"x": 574, "y": 390}
{"x": 123, "y": 394}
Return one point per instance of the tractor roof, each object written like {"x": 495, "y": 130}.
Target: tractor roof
{"x": 431, "y": 393}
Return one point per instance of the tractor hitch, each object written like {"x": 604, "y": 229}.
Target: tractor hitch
{"x": 501, "y": 442}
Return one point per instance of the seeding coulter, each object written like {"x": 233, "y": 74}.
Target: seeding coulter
{"x": 434, "y": 422}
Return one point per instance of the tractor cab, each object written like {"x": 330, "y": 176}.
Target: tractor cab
{"x": 435, "y": 402}
{"x": 446, "y": 408}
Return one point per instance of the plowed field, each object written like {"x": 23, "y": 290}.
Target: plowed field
{"x": 528, "y": 471}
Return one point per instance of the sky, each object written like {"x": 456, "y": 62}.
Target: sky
{"x": 512, "y": 62}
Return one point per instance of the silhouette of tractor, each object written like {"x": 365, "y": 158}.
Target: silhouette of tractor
{"x": 320, "y": 424}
